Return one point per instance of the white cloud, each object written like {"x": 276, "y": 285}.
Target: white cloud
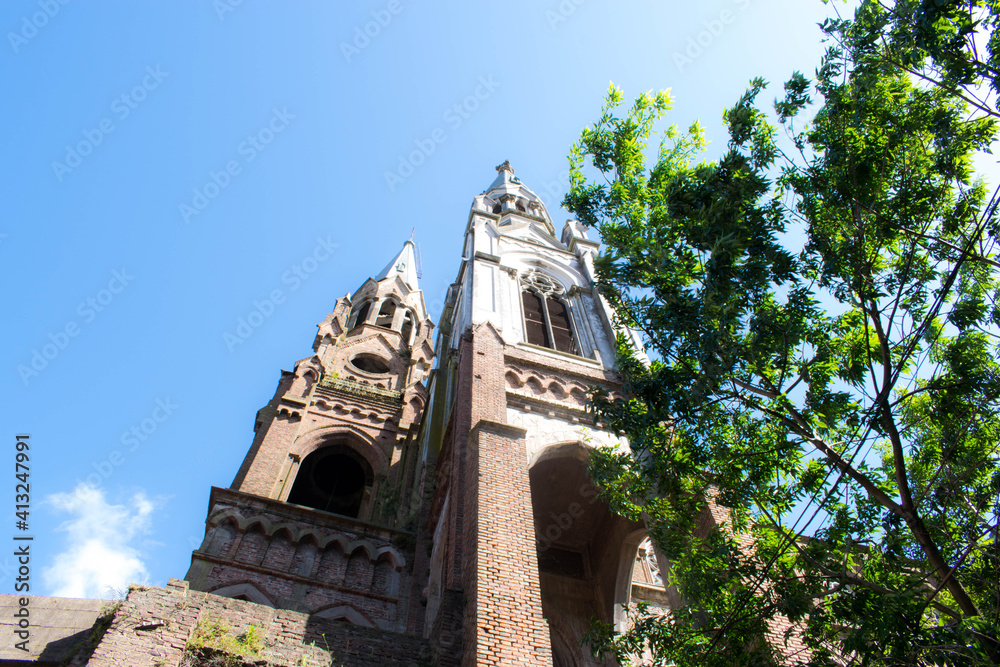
{"x": 101, "y": 557}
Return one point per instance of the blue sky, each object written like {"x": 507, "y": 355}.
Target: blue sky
{"x": 169, "y": 168}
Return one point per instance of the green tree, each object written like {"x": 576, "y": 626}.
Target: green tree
{"x": 824, "y": 326}
{"x": 946, "y": 43}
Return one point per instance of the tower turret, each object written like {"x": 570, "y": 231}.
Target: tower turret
{"x": 321, "y": 515}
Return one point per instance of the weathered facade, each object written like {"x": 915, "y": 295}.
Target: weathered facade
{"x": 322, "y": 514}
{"x": 425, "y": 497}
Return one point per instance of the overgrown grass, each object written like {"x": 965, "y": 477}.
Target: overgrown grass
{"x": 215, "y": 644}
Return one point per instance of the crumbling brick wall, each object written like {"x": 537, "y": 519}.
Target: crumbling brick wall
{"x": 154, "y": 625}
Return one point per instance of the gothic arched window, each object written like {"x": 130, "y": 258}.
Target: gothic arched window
{"x": 547, "y": 320}
{"x": 332, "y": 479}
{"x": 385, "y": 315}
{"x": 534, "y": 319}
{"x": 407, "y": 327}
{"x": 360, "y": 314}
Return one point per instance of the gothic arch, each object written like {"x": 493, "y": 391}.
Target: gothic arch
{"x": 291, "y": 528}
{"x": 566, "y": 449}
{"x": 565, "y": 275}
{"x": 336, "y": 478}
{"x": 220, "y": 536}
{"x": 321, "y": 437}
{"x": 360, "y": 313}
{"x": 307, "y": 374}
{"x": 245, "y": 590}
{"x": 580, "y": 548}
{"x": 344, "y": 612}
{"x": 387, "y": 308}
{"x": 228, "y": 514}
{"x": 557, "y": 389}
{"x": 390, "y": 554}
{"x": 623, "y": 581}
{"x": 547, "y": 311}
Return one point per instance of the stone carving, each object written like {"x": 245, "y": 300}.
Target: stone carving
{"x": 536, "y": 384}
{"x": 234, "y": 525}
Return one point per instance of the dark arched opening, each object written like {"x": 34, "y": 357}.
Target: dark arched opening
{"x": 332, "y": 479}
{"x": 407, "y": 327}
{"x": 534, "y": 319}
{"x": 385, "y": 315}
{"x": 361, "y": 314}
{"x": 579, "y": 545}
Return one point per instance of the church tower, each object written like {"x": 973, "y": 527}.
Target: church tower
{"x": 322, "y": 514}
{"x": 525, "y": 554}
{"x": 410, "y": 504}
{"x": 438, "y": 495}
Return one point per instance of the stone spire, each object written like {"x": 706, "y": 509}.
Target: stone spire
{"x": 403, "y": 265}
{"x": 505, "y": 180}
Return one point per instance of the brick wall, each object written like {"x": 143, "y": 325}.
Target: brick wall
{"x": 503, "y": 621}
{"x": 153, "y": 626}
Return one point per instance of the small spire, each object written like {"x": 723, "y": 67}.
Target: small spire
{"x": 505, "y": 180}
{"x": 403, "y": 265}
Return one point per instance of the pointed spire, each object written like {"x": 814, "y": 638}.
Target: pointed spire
{"x": 505, "y": 180}
{"x": 403, "y": 265}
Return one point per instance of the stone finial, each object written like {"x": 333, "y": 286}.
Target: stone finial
{"x": 505, "y": 167}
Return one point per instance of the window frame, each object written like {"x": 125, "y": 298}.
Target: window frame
{"x": 545, "y": 287}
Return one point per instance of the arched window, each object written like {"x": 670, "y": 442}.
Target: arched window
{"x": 547, "y": 320}
{"x": 520, "y": 207}
{"x": 562, "y": 330}
{"x": 360, "y": 314}
{"x": 534, "y": 319}
{"x": 332, "y": 479}
{"x": 407, "y": 327}
{"x": 385, "y": 315}
{"x": 497, "y": 208}
{"x": 647, "y": 568}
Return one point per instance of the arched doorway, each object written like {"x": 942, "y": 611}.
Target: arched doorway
{"x": 579, "y": 543}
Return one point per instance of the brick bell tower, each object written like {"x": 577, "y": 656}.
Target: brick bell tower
{"x": 321, "y": 516}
